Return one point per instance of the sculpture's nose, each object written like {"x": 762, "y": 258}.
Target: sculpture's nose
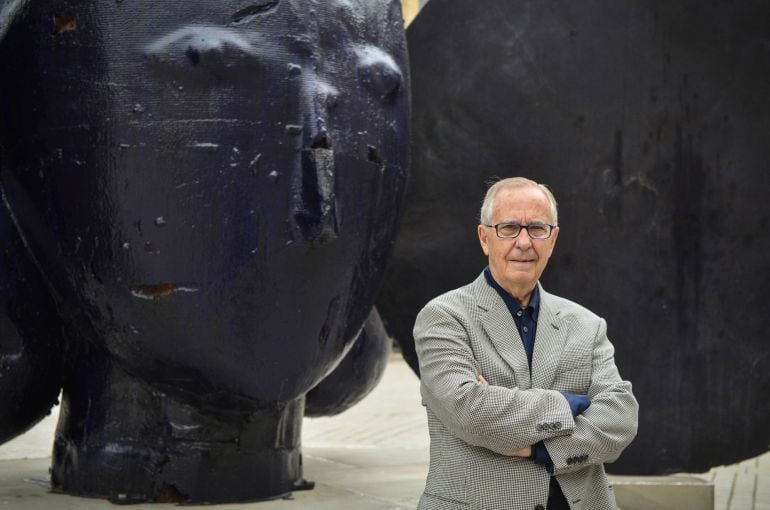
{"x": 320, "y": 102}
{"x": 314, "y": 208}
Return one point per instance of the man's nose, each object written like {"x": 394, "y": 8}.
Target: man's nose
{"x": 523, "y": 240}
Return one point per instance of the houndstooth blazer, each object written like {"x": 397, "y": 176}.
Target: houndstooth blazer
{"x": 469, "y": 331}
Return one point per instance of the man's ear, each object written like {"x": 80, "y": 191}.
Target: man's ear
{"x": 483, "y": 239}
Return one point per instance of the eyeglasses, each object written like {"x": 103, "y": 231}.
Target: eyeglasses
{"x": 511, "y": 230}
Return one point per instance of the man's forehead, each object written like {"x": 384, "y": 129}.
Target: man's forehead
{"x": 522, "y": 197}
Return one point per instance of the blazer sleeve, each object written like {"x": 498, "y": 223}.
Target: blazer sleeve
{"x": 603, "y": 430}
{"x": 497, "y": 418}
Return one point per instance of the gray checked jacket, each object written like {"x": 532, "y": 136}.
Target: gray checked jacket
{"x": 469, "y": 332}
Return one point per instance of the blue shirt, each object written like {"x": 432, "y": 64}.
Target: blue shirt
{"x": 524, "y": 317}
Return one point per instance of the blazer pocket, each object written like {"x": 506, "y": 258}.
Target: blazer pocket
{"x": 430, "y": 501}
{"x": 574, "y": 380}
{"x": 497, "y": 482}
{"x": 574, "y": 356}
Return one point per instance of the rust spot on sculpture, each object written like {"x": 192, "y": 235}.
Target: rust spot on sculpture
{"x": 161, "y": 290}
{"x": 64, "y": 24}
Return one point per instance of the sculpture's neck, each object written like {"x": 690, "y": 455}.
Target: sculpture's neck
{"x": 121, "y": 439}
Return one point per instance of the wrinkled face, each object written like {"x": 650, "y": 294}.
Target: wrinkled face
{"x": 516, "y": 264}
{"x": 221, "y": 180}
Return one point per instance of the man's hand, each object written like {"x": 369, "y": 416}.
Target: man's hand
{"x": 524, "y": 452}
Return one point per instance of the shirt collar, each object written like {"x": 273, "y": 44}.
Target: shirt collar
{"x": 534, "y": 299}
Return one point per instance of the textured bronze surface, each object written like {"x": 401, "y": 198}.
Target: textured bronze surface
{"x": 194, "y": 229}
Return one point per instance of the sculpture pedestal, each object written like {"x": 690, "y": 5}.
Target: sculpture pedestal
{"x": 663, "y": 492}
{"x": 119, "y": 438}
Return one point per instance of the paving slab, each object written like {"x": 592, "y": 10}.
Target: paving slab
{"x": 663, "y": 492}
{"x": 24, "y": 486}
{"x": 741, "y": 486}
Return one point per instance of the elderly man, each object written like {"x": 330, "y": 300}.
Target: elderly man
{"x": 524, "y": 401}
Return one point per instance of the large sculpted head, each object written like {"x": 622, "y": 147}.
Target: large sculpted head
{"x": 209, "y": 188}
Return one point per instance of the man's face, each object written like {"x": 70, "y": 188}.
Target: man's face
{"x": 517, "y": 264}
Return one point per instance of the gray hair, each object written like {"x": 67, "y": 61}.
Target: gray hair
{"x": 485, "y": 214}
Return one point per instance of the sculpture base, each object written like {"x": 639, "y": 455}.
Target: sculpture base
{"x": 663, "y": 492}
{"x": 120, "y": 439}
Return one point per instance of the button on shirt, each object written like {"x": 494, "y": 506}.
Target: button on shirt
{"x": 525, "y": 318}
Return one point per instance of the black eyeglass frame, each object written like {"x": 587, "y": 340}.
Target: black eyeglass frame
{"x": 522, "y": 227}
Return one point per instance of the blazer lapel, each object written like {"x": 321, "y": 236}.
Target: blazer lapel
{"x": 549, "y": 343}
{"x": 501, "y": 331}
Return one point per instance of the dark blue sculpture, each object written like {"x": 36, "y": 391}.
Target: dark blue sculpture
{"x": 356, "y": 375}
{"x": 651, "y": 121}
{"x": 198, "y": 203}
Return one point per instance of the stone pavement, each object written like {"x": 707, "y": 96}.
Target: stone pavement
{"x": 372, "y": 457}
{"x": 745, "y": 485}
